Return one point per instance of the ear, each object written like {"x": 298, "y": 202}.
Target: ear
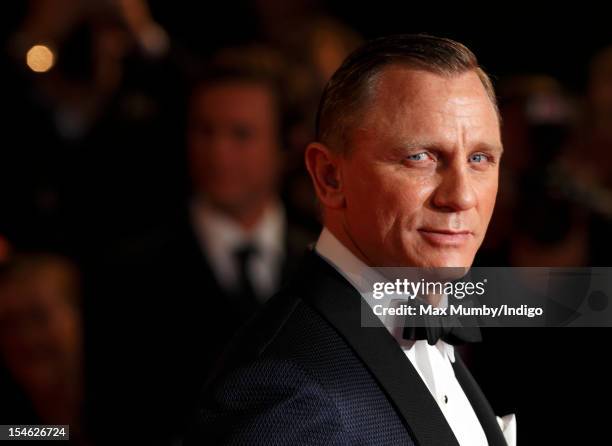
{"x": 324, "y": 168}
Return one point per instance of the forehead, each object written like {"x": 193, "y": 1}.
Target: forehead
{"x": 406, "y": 102}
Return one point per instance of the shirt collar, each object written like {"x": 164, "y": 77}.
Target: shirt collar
{"x": 221, "y": 234}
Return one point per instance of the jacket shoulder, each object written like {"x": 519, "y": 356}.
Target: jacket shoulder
{"x": 264, "y": 399}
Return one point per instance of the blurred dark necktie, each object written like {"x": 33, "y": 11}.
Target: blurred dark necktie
{"x": 243, "y": 256}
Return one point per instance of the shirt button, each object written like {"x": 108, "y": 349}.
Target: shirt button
{"x": 445, "y": 399}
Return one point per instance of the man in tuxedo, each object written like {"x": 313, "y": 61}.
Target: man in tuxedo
{"x": 405, "y": 168}
{"x": 158, "y": 320}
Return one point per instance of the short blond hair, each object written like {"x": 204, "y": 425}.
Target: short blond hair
{"x": 349, "y": 88}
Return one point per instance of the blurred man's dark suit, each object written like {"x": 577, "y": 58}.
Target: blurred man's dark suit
{"x": 307, "y": 372}
{"x": 157, "y": 319}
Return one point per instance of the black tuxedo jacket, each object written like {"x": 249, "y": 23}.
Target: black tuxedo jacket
{"x": 306, "y": 372}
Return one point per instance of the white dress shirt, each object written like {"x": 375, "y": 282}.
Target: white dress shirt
{"x": 432, "y": 362}
{"x": 220, "y": 236}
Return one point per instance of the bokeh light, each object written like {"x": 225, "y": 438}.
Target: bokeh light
{"x": 40, "y": 58}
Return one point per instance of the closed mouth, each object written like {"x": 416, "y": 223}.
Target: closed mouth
{"x": 445, "y": 237}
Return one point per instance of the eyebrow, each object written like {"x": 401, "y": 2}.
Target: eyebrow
{"x": 494, "y": 148}
{"x": 415, "y": 144}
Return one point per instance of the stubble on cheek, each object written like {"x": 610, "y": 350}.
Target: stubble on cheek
{"x": 396, "y": 222}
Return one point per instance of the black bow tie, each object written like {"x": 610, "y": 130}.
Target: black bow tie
{"x": 450, "y": 335}
{"x": 434, "y": 328}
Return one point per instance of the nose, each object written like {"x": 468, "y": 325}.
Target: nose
{"x": 455, "y": 191}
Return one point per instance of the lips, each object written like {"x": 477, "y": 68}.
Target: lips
{"x": 446, "y": 237}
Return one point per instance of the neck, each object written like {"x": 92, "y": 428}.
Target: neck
{"x": 339, "y": 229}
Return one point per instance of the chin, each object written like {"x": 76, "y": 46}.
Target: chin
{"x": 442, "y": 260}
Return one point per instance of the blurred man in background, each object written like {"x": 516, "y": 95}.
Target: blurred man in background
{"x": 226, "y": 253}
{"x": 235, "y": 160}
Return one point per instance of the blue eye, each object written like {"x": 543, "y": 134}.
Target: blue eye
{"x": 417, "y": 156}
{"x": 478, "y": 157}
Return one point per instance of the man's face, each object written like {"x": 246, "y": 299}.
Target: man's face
{"x": 233, "y": 143}
{"x": 421, "y": 178}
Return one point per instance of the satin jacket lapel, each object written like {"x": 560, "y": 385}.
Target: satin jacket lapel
{"x": 324, "y": 288}
{"x": 479, "y": 403}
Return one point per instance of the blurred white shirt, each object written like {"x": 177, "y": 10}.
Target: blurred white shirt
{"x": 220, "y": 236}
